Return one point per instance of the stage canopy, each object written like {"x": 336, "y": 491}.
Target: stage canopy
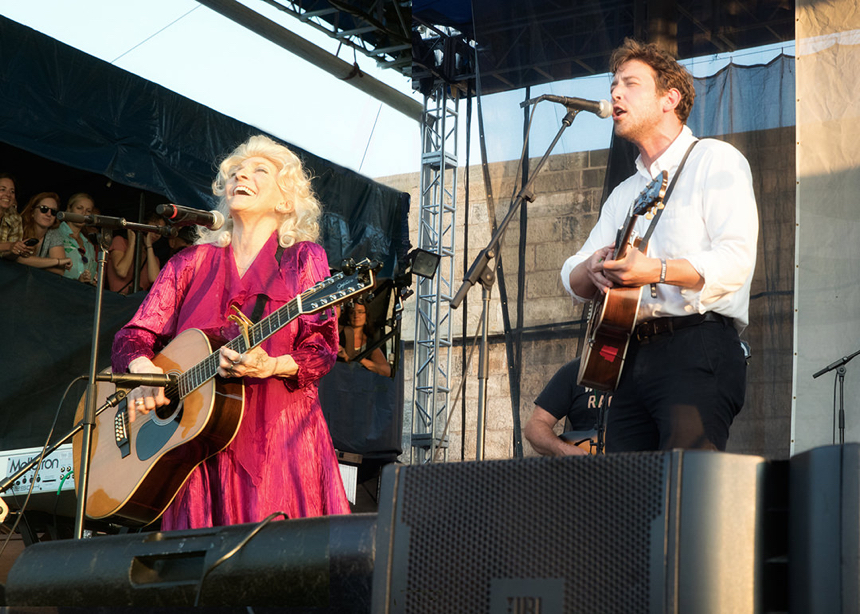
{"x": 530, "y": 42}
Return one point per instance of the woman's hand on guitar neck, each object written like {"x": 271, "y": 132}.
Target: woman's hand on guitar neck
{"x": 255, "y": 363}
{"x": 144, "y": 399}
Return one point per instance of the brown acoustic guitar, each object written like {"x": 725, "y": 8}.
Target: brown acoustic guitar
{"x": 584, "y": 440}
{"x": 136, "y": 468}
{"x": 612, "y": 316}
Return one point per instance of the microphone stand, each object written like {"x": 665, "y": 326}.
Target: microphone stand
{"x": 121, "y": 379}
{"x": 112, "y": 401}
{"x": 88, "y": 420}
{"x": 839, "y": 365}
{"x": 480, "y": 271}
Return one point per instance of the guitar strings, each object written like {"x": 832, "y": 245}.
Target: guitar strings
{"x": 208, "y": 367}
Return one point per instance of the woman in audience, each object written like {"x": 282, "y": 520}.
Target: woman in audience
{"x": 354, "y": 337}
{"x": 185, "y": 236}
{"x": 75, "y": 246}
{"x": 10, "y": 220}
{"x": 38, "y": 217}
{"x": 120, "y": 265}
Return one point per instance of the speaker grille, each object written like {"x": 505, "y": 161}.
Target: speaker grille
{"x": 588, "y": 520}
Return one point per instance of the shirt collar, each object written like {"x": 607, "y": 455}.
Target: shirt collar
{"x": 671, "y": 158}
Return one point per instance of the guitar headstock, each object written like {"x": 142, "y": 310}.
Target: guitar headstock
{"x": 651, "y": 198}
{"x": 339, "y": 287}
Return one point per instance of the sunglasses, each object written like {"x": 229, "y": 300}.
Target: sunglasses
{"x": 49, "y": 210}
{"x": 83, "y": 253}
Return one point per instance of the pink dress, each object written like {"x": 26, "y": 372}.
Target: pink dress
{"x": 282, "y": 458}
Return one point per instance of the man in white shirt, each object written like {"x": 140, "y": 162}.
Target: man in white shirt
{"x": 684, "y": 375}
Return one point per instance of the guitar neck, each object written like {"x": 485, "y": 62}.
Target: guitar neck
{"x": 622, "y": 239}
{"x": 323, "y": 295}
{"x": 207, "y": 368}
{"x": 650, "y": 200}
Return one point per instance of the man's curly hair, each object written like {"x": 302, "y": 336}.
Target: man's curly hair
{"x": 668, "y": 73}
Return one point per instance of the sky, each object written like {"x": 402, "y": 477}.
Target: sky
{"x": 186, "y": 47}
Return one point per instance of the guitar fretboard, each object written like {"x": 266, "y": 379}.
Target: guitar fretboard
{"x": 324, "y": 294}
{"x": 207, "y": 368}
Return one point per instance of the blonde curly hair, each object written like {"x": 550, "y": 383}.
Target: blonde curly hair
{"x": 299, "y": 224}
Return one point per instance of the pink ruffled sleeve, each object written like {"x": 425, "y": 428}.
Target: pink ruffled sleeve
{"x": 316, "y": 343}
{"x": 154, "y": 324}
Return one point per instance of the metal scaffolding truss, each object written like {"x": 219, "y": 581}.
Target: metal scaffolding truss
{"x": 379, "y": 29}
{"x": 432, "y": 354}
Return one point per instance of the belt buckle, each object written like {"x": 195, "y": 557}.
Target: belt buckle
{"x": 645, "y": 330}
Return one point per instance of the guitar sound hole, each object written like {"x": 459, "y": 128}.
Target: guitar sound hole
{"x": 168, "y": 413}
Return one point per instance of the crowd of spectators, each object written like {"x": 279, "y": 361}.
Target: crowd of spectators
{"x": 35, "y": 237}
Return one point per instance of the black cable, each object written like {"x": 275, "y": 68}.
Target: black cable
{"x": 38, "y": 465}
{"x": 464, "y": 333}
{"x": 238, "y": 547}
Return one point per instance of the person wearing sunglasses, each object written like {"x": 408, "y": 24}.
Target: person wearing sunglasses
{"x": 11, "y": 245}
{"x": 39, "y": 217}
{"x": 74, "y": 245}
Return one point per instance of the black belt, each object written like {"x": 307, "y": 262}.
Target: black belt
{"x": 660, "y": 326}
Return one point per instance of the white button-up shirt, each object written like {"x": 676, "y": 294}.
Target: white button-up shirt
{"x": 710, "y": 220}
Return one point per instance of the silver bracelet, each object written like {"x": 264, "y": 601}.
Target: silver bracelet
{"x": 662, "y": 271}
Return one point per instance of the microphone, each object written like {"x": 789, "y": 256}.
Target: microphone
{"x": 106, "y": 221}
{"x": 101, "y": 221}
{"x": 159, "y": 380}
{"x": 186, "y": 216}
{"x": 601, "y": 108}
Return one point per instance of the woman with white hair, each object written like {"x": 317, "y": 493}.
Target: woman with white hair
{"x": 282, "y": 458}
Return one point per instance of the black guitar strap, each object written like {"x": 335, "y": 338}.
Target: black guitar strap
{"x": 643, "y": 245}
{"x": 262, "y": 299}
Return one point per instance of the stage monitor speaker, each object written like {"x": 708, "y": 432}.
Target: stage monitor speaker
{"x": 824, "y": 530}
{"x": 307, "y": 565}
{"x": 644, "y": 532}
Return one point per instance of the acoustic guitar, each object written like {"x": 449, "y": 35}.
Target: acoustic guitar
{"x": 584, "y": 440}
{"x": 136, "y": 468}
{"x": 612, "y": 315}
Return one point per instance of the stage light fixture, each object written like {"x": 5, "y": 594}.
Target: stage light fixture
{"x": 424, "y": 263}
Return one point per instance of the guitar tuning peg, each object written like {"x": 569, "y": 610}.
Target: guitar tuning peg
{"x": 649, "y": 215}
{"x": 661, "y": 206}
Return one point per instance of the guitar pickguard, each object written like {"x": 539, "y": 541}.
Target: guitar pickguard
{"x": 152, "y": 437}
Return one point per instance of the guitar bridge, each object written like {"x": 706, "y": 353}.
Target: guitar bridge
{"x": 120, "y": 427}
